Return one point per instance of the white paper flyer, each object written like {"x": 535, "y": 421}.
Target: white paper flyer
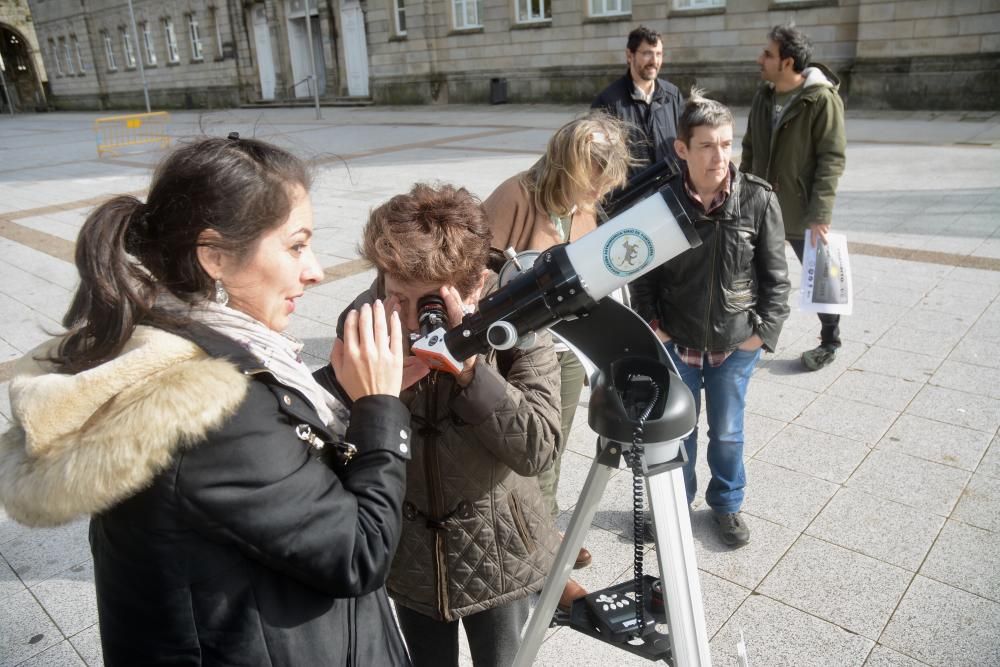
{"x": 826, "y": 276}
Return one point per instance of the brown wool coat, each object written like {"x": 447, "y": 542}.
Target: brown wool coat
{"x": 517, "y": 223}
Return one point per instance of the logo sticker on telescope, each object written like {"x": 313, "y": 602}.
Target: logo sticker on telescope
{"x": 628, "y": 251}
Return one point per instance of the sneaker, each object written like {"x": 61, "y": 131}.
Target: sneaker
{"x": 732, "y": 529}
{"x": 819, "y": 357}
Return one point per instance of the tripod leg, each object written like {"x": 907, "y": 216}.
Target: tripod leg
{"x": 678, "y": 570}
{"x": 583, "y": 515}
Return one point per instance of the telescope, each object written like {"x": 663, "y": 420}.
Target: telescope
{"x": 567, "y": 281}
{"x": 644, "y": 183}
{"x": 639, "y": 408}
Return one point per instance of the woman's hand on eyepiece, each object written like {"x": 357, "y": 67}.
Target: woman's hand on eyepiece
{"x": 457, "y": 309}
{"x": 369, "y": 360}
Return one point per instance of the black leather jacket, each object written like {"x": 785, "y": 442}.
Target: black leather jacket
{"x": 715, "y": 296}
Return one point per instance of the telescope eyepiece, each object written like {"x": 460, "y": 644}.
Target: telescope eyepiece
{"x": 431, "y": 314}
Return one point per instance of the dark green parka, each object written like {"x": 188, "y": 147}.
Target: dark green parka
{"x": 803, "y": 157}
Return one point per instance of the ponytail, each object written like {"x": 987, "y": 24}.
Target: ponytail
{"x": 128, "y": 251}
{"x": 114, "y": 293}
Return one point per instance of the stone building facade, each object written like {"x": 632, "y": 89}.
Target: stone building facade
{"x": 195, "y": 53}
{"x": 911, "y": 54}
{"x": 22, "y": 70}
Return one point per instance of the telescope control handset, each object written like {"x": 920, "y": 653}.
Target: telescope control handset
{"x": 565, "y": 281}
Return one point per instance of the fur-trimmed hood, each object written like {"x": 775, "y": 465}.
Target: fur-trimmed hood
{"x": 81, "y": 443}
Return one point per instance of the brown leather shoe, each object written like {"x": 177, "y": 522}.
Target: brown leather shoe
{"x": 572, "y": 591}
{"x": 583, "y": 558}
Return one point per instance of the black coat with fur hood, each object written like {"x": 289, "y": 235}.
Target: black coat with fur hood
{"x": 219, "y": 535}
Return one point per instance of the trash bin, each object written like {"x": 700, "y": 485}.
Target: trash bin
{"x": 498, "y": 91}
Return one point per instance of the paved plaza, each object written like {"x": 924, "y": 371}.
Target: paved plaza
{"x": 874, "y": 484}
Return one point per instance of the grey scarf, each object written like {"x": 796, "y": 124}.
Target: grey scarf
{"x": 277, "y": 352}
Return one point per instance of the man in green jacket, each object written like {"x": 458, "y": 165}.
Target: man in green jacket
{"x": 795, "y": 140}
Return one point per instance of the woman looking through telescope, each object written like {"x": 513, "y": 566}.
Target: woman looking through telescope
{"x": 477, "y": 538}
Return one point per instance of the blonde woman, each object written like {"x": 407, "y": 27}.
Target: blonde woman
{"x": 555, "y": 202}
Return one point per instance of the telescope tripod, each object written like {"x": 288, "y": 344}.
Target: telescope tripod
{"x": 635, "y": 401}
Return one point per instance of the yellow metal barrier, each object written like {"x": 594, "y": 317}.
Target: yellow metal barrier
{"x": 115, "y": 132}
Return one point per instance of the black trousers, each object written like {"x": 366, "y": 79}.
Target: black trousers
{"x": 494, "y": 636}
{"x": 829, "y": 333}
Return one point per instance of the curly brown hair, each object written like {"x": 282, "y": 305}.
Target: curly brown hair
{"x": 431, "y": 234}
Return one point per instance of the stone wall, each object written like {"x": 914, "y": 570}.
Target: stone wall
{"x": 928, "y": 54}
{"x": 907, "y": 54}
{"x": 189, "y": 81}
{"x": 933, "y": 54}
{"x": 16, "y": 15}
{"x": 226, "y": 75}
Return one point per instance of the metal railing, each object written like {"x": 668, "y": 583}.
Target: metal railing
{"x": 290, "y": 90}
{"x": 117, "y": 132}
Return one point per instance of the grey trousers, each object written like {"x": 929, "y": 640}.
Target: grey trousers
{"x": 494, "y": 636}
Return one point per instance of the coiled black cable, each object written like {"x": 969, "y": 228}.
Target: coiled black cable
{"x": 638, "y": 511}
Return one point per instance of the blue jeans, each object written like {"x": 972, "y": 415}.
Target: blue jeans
{"x": 725, "y": 398}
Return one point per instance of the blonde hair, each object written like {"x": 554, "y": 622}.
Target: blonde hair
{"x": 586, "y": 154}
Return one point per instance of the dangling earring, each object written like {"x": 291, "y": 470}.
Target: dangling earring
{"x": 221, "y": 295}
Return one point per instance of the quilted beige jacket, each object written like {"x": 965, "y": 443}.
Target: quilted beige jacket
{"x": 476, "y": 534}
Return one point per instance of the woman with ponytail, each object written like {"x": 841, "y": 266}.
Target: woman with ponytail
{"x": 244, "y": 510}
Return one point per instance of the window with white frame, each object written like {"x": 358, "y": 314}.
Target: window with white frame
{"x": 66, "y": 54}
{"x": 171, "y": 38}
{"x": 81, "y": 67}
{"x": 148, "y": 45}
{"x": 109, "y": 50}
{"x": 610, "y": 7}
{"x": 468, "y": 13}
{"x": 127, "y": 48}
{"x": 194, "y": 33}
{"x": 219, "y": 51}
{"x": 399, "y": 16}
{"x": 54, "y": 57}
{"x": 530, "y": 11}
{"x": 699, "y": 4}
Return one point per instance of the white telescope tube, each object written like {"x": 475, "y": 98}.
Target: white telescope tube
{"x": 629, "y": 245}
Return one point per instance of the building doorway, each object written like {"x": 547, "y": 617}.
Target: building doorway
{"x": 265, "y": 56}
{"x": 300, "y": 51}
{"x": 23, "y": 88}
{"x": 352, "y": 19}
